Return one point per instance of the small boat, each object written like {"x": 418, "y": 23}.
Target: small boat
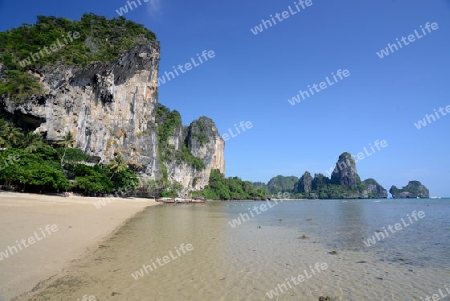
{"x": 166, "y": 200}
{"x": 198, "y": 201}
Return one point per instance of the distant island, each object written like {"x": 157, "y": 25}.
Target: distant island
{"x": 344, "y": 183}
{"x": 414, "y": 189}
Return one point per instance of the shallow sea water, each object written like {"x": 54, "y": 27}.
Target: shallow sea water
{"x": 266, "y": 251}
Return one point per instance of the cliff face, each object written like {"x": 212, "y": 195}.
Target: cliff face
{"x": 345, "y": 172}
{"x": 304, "y": 184}
{"x": 374, "y": 190}
{"x": 414, "y": 189}
{"x": 204, "y": 142}
{"x": 346, "y": 175}
{"x": 110, "y": 109}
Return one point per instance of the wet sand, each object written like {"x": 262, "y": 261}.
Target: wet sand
{"x": 242, "y": 263}
{"x": 80, "y": 228}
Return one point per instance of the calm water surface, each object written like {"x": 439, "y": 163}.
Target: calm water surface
{"x": 245, "y": 262}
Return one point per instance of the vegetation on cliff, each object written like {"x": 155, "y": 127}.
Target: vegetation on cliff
{"x": 28, "y": 163}
{"x": 344, "y": 183}
{"x": 232, "y": 188}
{"x": 414, "y": 189}
{"x": 375, "y": 190}
{"x": 281, "y": 184}
{"x": 27, "y": 48}
{"x": 167, "y": 123}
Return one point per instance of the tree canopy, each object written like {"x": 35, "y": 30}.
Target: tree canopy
{"x": 31, "y": 165}
{"x": 26, "y": 47}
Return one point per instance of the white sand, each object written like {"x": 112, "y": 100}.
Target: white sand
{"x": 81, "y": 226}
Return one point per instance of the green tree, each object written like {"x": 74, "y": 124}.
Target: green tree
{"x": 9, "y": 134}
{"x": 118, "y": 165}
{"x": 67, "y": 141}
{"x": 32, "y": 142}
{"x": 173, "y": 191}
{"x": 91, "y": 179}
{"x": 234, "y": 188}
{"x": 32, "y": 173}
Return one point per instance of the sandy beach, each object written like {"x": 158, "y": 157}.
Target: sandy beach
{"x": 42, "y": 234}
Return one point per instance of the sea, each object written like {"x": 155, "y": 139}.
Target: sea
{"x": 386, "y": 249}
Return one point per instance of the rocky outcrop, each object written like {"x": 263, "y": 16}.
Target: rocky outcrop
{"x": 304, "y": 184}
{"x": 203, "y": 140}
{"x": 319, "y": 182}
{"x": 374, "y": 190}
{"x": 344, "y": 183}
{"x": 281, "y": 184}
{"x": 345, "y": 172}
{"x": 414, "y": 189}
{"x": 110, "y": 109}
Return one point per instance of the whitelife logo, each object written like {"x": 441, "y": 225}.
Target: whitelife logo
{"x": 284, "y": 15}
{"x": 380, "y": 235}
{"x": 319, "y": 87}
{"x": 280, "y": 288}
{"x": 436, "y": 297}
{"x": 11, "y": 160}
{"x": 430, "y": 118}
{"x": 166, "y": 259}
{"x": 247, "y": 125}
{"x": 361, "y": 156}
{"x": 187, "y": 66}
{"x": 53, "y": 48}
{"x": 243, "y": 217}
{"x": 11, "y": 250}
{"x": 411, "y": 38}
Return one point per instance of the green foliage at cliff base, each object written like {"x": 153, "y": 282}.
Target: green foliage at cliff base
{"x": 34, "y": 166}
{"x": 233, "y": 188}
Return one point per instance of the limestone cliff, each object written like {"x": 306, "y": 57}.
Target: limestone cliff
{"x": 110, "y": 109}
{"x": 346, "y": 175}
{"x": 304, "y": 184}
{"x": 204, "y": 142}
{"x": 374, "y": 190}
{"x": 414, "y": 189}
{"x": 345, "y": 172}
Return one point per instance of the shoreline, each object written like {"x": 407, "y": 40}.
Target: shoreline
{"x": 29, "y": 255}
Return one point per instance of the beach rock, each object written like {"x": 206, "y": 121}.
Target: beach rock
{"x": 414, "y": 189}
{"x": 111, "y": 109}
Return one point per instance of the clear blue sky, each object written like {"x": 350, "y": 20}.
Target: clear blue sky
{"x": 252, "y": 77}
